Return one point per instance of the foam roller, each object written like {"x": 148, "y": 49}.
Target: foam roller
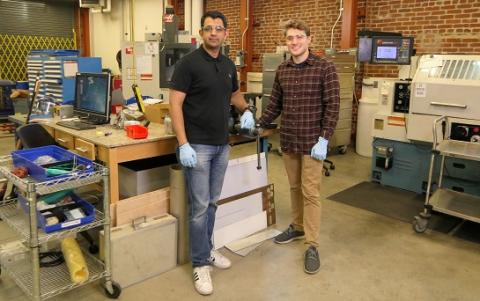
{"x": 75, "y": 261}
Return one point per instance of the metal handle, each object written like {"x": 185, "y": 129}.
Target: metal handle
{"x": 137, "y": 222}
{"x": 442, "y": 104}
{"x": 267, "y": 95}
{"x": 62, "y": 140}
{"x": 444, "y": 118}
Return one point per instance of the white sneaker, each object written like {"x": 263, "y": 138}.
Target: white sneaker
{"x": 219, "y": 261}
{"x": 202, "y": 280}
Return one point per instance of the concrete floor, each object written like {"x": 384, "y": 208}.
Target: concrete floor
{"x": 364, "y": 256}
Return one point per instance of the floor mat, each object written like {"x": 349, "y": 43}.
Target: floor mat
{"x": 403, "y": 205}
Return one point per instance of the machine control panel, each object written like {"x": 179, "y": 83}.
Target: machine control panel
{"x": 401, "y": 98}
{"x": 465, "y": 132}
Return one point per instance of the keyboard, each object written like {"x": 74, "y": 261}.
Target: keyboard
{"x": 76, "y": 125}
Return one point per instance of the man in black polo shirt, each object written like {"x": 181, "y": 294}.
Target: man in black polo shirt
{"x": 204, "y": 85}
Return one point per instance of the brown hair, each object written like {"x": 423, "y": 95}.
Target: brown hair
{"x": 296, "y": 24}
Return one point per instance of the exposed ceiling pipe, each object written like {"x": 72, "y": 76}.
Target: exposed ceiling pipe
{"x": 333, "y": 28}
{"x": 246, "y": 27}
{"x": 188, "y": 16}
{"x": 103, "y": 10}
{"x": 197, "y": 12}
{"x": 132, "y": 21}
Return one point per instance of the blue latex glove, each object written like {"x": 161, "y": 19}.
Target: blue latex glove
{"x": 319, "y": 150}
{"x": 246, "y": 121}
{"x": 188, "y": 156}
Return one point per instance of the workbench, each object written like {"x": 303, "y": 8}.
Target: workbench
{"x": 112, "y": 147}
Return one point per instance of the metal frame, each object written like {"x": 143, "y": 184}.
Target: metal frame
{"x": 444, "y": 200}
{"x": 41, "y": 284}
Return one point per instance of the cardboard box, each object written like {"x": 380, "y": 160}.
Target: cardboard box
{"x": 156, "y": 113}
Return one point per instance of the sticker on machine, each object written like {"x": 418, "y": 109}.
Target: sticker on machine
{"x": 396, "y": 120}
{"x": 420, "y": 90}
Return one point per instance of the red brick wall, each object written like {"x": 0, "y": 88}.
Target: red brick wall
{"x": 439, "y": 26}
{"x": 442, "y": 26}
{"x": 231, "y": 10}
{"x": 269, "y": 15}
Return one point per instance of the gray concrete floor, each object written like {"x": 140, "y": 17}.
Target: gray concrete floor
{"x": 364, "y": 256}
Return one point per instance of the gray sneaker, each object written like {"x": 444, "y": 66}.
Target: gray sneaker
{"x": 289, "y": 235}
{"x": 312, "y": 261}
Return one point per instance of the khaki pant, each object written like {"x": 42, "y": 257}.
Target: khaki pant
{"x": 305, "y": 176}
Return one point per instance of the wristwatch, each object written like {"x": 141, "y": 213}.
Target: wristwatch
{"x": 250, "y": 108}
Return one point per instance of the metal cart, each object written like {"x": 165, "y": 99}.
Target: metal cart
{"x": 43, "y": 283}
{"x": 443, "y": 200}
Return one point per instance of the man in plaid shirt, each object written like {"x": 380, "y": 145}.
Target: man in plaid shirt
{"x": 306, "y": 93}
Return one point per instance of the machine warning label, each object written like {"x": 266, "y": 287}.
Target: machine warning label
{"x": 420, "y": 90}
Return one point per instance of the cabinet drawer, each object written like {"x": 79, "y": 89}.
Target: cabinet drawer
{"x": 346, "y": 103}
{"x": 346, "y": 81}
{"x": 64, "y": 139}
{"x": 340, "y": 137}
{"x": 84, "y": 149}
{"x": 345, "y": 67}
{"x": 344, "y": 124}
{"x": 50, "y": 130}
{"x": 345, "y": 113}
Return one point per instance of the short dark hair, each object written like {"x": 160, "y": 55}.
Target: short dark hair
{"x": 214, "y": 14}
{"x": 296, "y": 24}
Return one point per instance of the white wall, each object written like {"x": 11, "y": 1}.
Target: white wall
{"x": 148, "y": 17}
{"x": 109, "y": 30}
{"x": 106, "y": 34}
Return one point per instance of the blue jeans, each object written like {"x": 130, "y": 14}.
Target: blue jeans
{"x": 204, "y": 185}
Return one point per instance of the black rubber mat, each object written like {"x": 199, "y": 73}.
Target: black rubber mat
{"x": 403, "y": 205}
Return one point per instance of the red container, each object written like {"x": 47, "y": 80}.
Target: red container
{"x": 137, "y": 131}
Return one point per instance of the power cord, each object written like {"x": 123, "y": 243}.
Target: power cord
{"x": 51, "y": 259}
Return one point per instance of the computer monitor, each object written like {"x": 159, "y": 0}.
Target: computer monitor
{"x": 92, "y": 97}
{"x": 392, "y": 50}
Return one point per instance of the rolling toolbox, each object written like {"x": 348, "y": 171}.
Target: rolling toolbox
{"x": 143, "y": 249}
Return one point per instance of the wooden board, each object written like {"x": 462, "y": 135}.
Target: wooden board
{"x": 150, "y": 204}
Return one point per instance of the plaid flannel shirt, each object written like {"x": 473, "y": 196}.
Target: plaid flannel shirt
{"x": 308, "y": 97}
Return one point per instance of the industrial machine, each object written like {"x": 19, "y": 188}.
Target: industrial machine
{"x": 150, "y": 64}
{"x": 389, "y": 121}
{"x": 443, "y": 85}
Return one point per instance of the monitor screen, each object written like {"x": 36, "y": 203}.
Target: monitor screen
{"x": 392, "y": 50}
{"x": 92, "y": 97}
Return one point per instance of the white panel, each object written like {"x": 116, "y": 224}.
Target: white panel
{"x": 242, "y": 175}
{"x": 237, "y": 210}
{"x": 239, "y": 230}
{"x": 252, "y": 240}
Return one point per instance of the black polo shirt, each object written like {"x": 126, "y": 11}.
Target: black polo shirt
{"x": 209, "y": 83}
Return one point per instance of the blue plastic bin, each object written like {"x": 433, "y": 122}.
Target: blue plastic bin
{"x": 42, "y": 222}
{"x": 26, "y": 158}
